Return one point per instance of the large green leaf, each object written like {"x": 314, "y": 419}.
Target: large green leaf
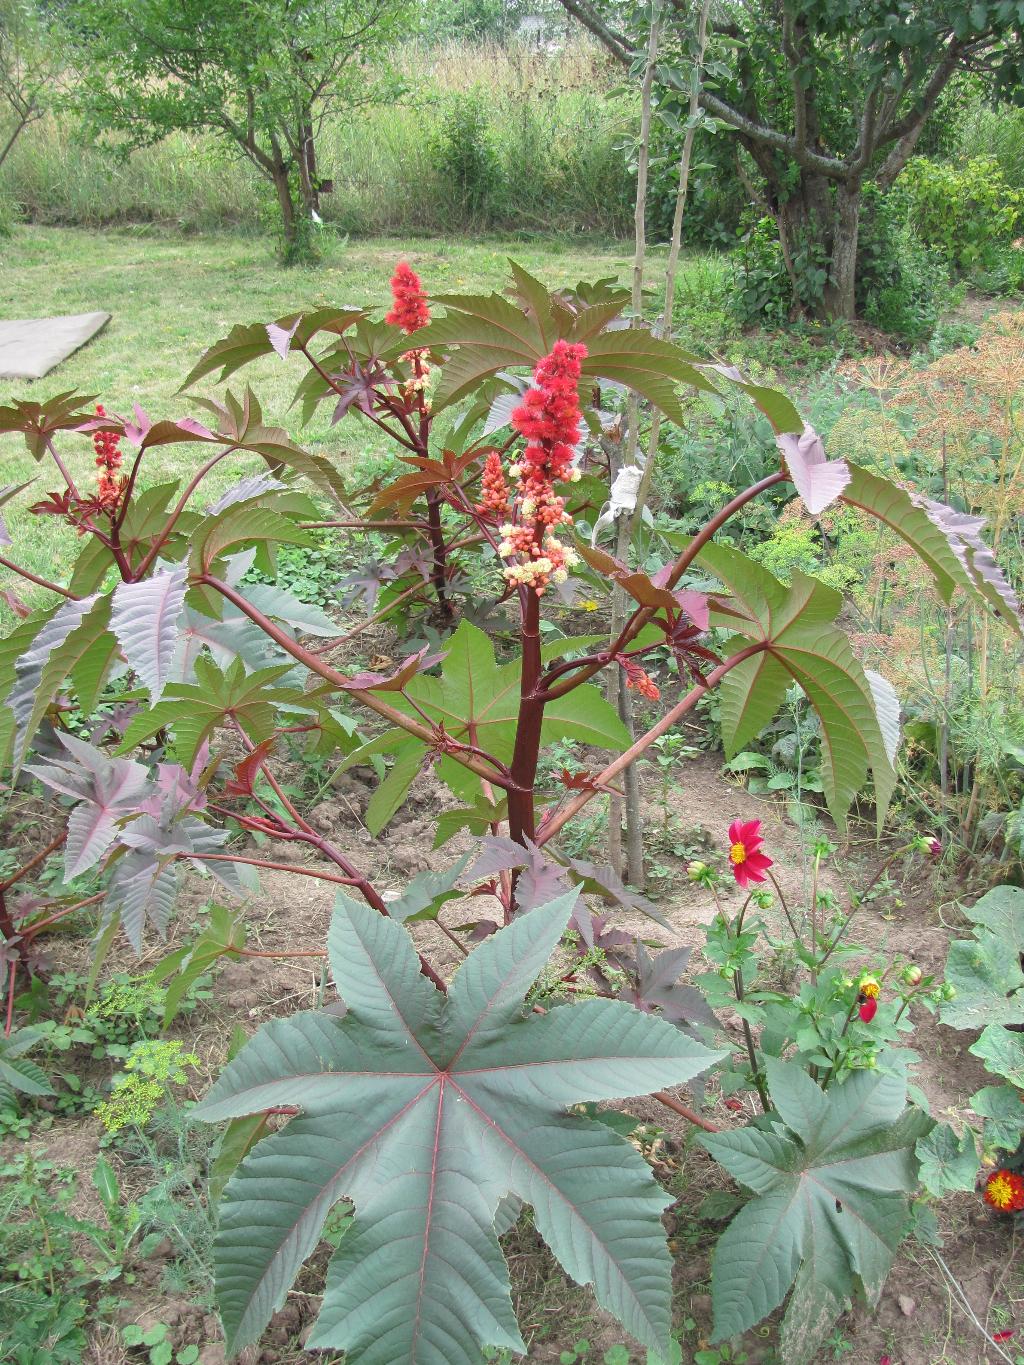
{"x": 426, "y": 1110}
{"x": 192, "y": 711}
{"x": 831, "y": 1200}
{"x": 489, "y": 334}
{"x": 985, "y": 971}
{"x": 948, "y": 1161}
{"x": 802, "y": 645}
{"x": 249, "y": 341}
{"x": 1002, "y": 1051}
{"x": 476, "y": 693}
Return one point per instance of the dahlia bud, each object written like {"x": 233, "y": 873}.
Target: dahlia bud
{"x": 912, "y": 974}
{"x": 697, "y": 871}
{"x": 947, "y": 991}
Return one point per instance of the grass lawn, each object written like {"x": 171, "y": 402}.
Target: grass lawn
{"x": 171, "y": 297}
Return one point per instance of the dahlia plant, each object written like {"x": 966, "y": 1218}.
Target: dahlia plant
{"x": 438, "y": 1103}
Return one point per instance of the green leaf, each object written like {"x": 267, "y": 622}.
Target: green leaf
{"x": 224, "y": 934}
{"x": 238, "y": 1138}
{"x": 249, "y": 341}
{"x": 243, "y": 525}
{"x": 425, "y": 1110}
{"x": 988, "y": 979}
{"x": 192, "y": 711}
{"x": 427, "y": 893}
{"x": 948, "y": 543}
{"x": 17, "y": 1071}
{"x": 1001, "y": 1108}
{"x": 948, "y": 1162}
{"x": 392, "y": 791}
{"x": 831, "y": 1193}
{"x": 490, "y": 334}
{"x": 1002, "y": 1051}
{"x": 477, "y": 701}
{"x": 802, "y": 645}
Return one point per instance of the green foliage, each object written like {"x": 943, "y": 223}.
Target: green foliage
{"x": 307, "y": 62}
{"x": 964, "y": 209}
{"x": 51, "y": 1258}
{"x": 902, "y": 283}
{"x": 475, "y": 1044}
{"x": 831, "y": 1182}
{"x": 986, "y": 992}
{"x": 150, "y": 1068}
{"x": 464, "y": 151}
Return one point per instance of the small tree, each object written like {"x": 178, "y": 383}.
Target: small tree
{"x": 262, "y": 75}
{"x": 29, "y": 61}
{"x": 826, "y": 95}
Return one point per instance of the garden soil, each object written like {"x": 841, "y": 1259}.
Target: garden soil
{"x": 918, "y": 1320}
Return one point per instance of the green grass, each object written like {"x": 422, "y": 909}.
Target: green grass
{"x": 171, "y": 297}
{"x": 545, "y": 124}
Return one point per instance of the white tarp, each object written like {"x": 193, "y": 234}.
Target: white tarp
{"x": 31, "y": 347}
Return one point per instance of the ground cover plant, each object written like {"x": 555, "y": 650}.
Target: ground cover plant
{"x": 160, "y": 687}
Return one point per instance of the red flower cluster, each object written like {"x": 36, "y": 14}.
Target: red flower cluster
{"x": 638, "y": 678}
{"x": 549, "y": 418}
{"x": 1004, "y": 1190}
{"x": 494, "y": 494}
{"x": 748, "y": 863}
{"x": 108, "y": 460}
{"x": 410, "y": 311}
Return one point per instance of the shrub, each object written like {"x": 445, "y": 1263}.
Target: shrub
{"x": 963, "y": 210}
{"x": 464, "y": 154}
{"x": 901, "y": 284}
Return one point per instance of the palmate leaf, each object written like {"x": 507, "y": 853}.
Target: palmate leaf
{"x": 985, "y": 970}
{"x": 803, "y": 646}
{"x": 65, "y": 639}
{"x": 192, "y": 711}
{"x": 491, "y": 334}
{"x": 831, "y": 1201}
{"x": 144, "y": 617}
{"x": 106, "y": 791}
{"x": 426, "y": 1110}
{"x": 476, "y": 700}
{"x": 248, "y": 342}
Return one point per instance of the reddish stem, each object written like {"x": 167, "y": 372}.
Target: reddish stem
{"x": 677, "y": 1108}
{"x": 40, "y": 582}
{"x": 551, "y": 827}
{"x": 272, "y": 866}
{"x": 40, "y": 857}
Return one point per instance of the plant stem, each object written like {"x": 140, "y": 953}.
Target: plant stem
{"x": 551, "y": 827}
{"x": 670, "y": 1102}
{"x": 521, "y": 808}
{"x": 34, "y": 862}
{"x": 39, "y": 582}
{"x": 271, "y": 866}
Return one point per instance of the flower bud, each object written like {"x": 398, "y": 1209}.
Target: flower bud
{"x": 697, "y": 871}
{"x": 912, "y": 974}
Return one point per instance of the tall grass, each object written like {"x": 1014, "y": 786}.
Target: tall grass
{"x": 541, "y": 123}
{"x": 998, "y": 133}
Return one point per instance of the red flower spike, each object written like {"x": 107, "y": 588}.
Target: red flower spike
{"x": 748, "y": 863}
{"x": 868, "y": 1009}
{"x": 410, "y": 311}
{"x": 494, "y": 497}
{"x": 549, "y": 418}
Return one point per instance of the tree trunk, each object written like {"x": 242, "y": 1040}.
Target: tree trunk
{"x": 818, "y": 226}
{"x": 840, "y": 300}
{"x": 289, "y": 214}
